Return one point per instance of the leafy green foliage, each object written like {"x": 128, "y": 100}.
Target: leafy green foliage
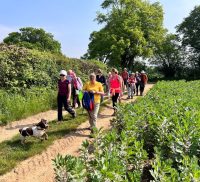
{"x": 34, "y": 38}
{"x": 169, "y": 57}
{"x": 189, "y": 33}
{"x": 132, "y": 29}
{"x": 22, "y": 68}
{"x": 163, "y": 129}
{"x": 29, "y": 79}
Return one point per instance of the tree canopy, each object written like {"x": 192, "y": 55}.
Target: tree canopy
{"x": 189, "y": 33}
{"x": 132, "y": 28}
{"x": 169, "y": 57}
{"x": 34, "y": 38}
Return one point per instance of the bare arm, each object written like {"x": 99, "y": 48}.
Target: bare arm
{"x": 69, "y": 92}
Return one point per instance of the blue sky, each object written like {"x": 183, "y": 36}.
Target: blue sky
{"x": 72, "y": 21}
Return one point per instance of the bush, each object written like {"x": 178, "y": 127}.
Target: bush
{"x": 21, "y": 68}
{"x": 29, "y": 79}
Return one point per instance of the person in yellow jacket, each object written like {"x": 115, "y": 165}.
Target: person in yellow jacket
{"x": 97, "y": 89}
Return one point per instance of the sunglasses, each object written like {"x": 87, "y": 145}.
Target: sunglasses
{"x": 62, "y": 75}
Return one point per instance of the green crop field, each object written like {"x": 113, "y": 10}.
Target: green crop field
{"x": 157, "y": 138}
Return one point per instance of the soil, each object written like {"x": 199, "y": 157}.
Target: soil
{"x": 39, "y": 168}
{"x": 9, "y": 131}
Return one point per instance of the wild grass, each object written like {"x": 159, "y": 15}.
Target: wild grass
{"x": 13, "y": 152}
{"x": 15, "y": 106}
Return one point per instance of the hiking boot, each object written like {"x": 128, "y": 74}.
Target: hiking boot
{"x": 132, "y": 97}
{"x": 128, "y": 97}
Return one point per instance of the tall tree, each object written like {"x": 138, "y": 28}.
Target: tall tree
{"x": 132, "y": 28}
{"x": 169, "y": 57}
{"x": 189, "y": 31}
{"x": 34, "y": 38}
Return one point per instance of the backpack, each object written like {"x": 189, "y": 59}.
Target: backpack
{"x": 88, "y": 101}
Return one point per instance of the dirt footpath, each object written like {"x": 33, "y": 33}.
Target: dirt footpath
{"x": 9, "y": 131}
{"x": 40, "y": 169}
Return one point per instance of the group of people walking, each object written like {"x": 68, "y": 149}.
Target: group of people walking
{"x": 134, "y": 82}
{"x": 90, "y": 95}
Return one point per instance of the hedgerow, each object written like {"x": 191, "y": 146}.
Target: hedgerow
{"x": 22, "y": 68}
{"x": 156, "y": 138}
{"x": 29, "y": 79}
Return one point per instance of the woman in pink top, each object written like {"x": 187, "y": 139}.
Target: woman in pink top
{"x": 115, "y": 85}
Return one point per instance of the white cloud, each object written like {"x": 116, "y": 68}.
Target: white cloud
{"x": 5, "y": 30}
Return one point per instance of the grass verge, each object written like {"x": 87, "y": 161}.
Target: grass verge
{"x": 15, "y": 106}
{"x": 12, "y": 152}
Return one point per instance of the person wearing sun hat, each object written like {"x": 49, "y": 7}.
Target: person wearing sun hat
{"x": 64, "y": 95}
{"x": 143, "y": 82}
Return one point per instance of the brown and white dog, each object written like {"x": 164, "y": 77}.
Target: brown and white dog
{"x": 39, "y": 131}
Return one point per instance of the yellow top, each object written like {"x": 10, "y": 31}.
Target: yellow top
{"x": 97, "y": 87}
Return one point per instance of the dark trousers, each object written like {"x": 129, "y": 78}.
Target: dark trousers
{"x": 137, "y": 87}
{"x": 142, "y": 86}
{"x": 75, "y": 99}
{"x": 62, "y": 100}
{"x": 114, "y": 100}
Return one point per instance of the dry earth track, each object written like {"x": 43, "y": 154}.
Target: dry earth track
{"x": 40, "y": 169}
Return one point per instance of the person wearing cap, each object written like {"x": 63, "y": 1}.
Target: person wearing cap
{"x": 125, "y": 76}
{"x": 131, "y": 85}
{"x": 144, "y": 80}
{"x": 64, "y": 95}
{"x": 138, "y": 80}
{"x": 97, "y": 89}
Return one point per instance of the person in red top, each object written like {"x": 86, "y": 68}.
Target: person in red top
{"x": 125, "y": 77}
{"x": 143, "y": 82}
{"x": 131, "y": 85}
{"x": 115, "y": 85}
{"x": 64, "y": 95}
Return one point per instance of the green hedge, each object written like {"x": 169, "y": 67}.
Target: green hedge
{"x": 29, "y": 79}
{"x": 21, "y": 68}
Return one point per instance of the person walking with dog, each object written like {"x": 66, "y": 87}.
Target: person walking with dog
{"x": 64, "y": 96}
{"x": 92, "y": 89}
